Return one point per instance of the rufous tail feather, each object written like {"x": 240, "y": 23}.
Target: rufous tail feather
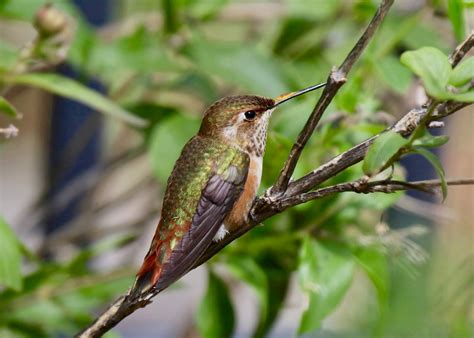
{"x": 147, "y": 277}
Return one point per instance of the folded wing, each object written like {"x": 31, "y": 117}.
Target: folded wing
{"x": 190, "y": 221}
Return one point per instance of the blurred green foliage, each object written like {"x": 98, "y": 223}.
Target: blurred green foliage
{"x": 163, "y": 62}
{"x": 10, "y": 260}
{"x": 216, "y": 301}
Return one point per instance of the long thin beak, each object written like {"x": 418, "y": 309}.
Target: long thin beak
{"x": 285, "y": 97}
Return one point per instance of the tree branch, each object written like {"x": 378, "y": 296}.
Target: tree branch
{"x": 336, "y": 80}
{"x": 112, "y": 316}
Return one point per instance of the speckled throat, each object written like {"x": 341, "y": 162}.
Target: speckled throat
{"x": 258, "y": 139}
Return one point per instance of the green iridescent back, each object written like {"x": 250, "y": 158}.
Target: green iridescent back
{"x": 200, "y": 158}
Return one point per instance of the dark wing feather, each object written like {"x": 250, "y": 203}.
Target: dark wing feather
{"x": 217, "y": 199}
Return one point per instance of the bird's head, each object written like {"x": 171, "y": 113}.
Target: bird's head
{"x": 243, "y": 120}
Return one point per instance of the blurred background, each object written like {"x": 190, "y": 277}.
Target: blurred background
{"x": 82, "y": 182}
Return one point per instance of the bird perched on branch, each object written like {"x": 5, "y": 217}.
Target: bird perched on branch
{"x": 211, "y": 188}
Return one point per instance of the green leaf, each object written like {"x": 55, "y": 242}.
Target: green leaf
{"x": 166, "y": 141}
{"x": 456, "y": 16}
{"x": 277, "y": 148}
{"x": 350, "y": 95}
{"x": 207, "y": 9}
{"x": 384, "y": 148}
{"x": 78, "y": 264}
{"x": 7, "y": 108}
{"x": 140, "y": 52}
{"x": 325, "y": 272}
{"x": 46, "y": 312}
{"x": 241, "y": 65}
{"x": 25, "y": 10}
{"x": 376, "y": 201}
{"x": 247, "y": 270}
{"x": 375, "y": 264}
{"x": 431, "y": 141}
{"x": 425, "y": 33}
{"x": 83, "y": 51}
{"x": 463, "y": 73}
{"x": 10, "y": 258}
{"x": 19, "y": 9}
{"x": 463, "y": 97}
{"x": 435, "y": 70}
{"x": 79, "y": 302}
{"x": 169, "y": 15}
{"x": 433, "y": 67}
{"x": 8, "y": 56}
{"x": 45, "y": 273}
{"x": 279, "y": 279}
{"x": 72, "y": 89}
{"x": 393, "y": 73}
{"x": 435, "y": 162}
{"x": 66, "y": 299}
{"x": 215, "y": 315}
{"x": 323, "y": 10}
{"x": 24, "y": 330}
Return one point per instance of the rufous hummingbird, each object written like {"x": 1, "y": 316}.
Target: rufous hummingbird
{"x": 211, "y": 188}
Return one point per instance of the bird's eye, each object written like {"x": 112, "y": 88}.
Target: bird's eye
{"x": 250, "y": 115}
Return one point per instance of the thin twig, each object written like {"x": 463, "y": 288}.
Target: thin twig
{"x": 336, "y": 80}
{"x": 462, "y": 50}
{"x": 111, "y": 317}
{"x": 383, "y": 186}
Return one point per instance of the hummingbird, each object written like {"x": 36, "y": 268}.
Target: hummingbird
{"x": 211, "y": 188}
